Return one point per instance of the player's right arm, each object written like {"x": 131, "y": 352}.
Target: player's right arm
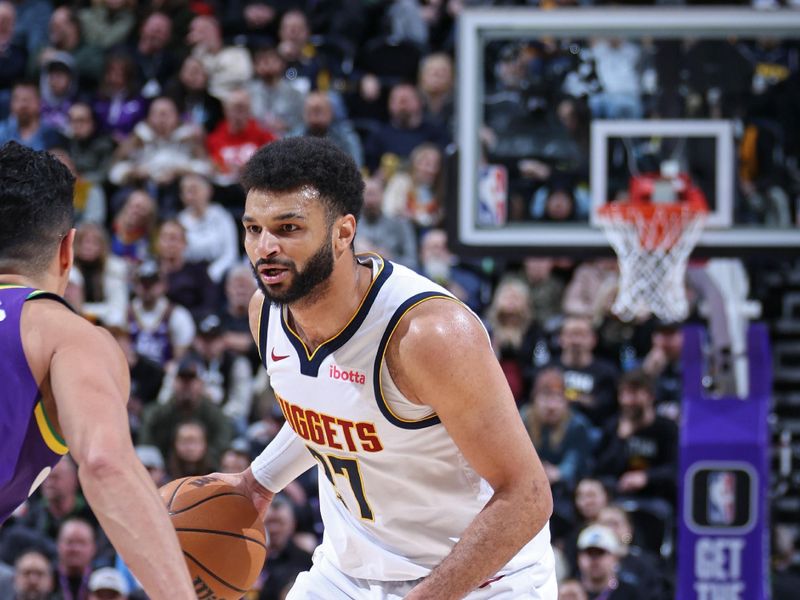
{"x": 89, "y": 381}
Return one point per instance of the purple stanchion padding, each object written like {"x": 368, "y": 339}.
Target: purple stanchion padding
{"x": 723, "y": 527}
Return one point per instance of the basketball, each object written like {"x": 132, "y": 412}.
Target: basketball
{"x": 220, "y": 532}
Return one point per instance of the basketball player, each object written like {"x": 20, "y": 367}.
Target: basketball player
{"x": 429, "y": 485}
{"x": 64, "y": 382}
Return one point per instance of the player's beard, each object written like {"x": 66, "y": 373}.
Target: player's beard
{"x": 306, "y": 284}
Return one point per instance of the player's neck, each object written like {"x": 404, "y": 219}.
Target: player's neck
{"x": 326, "y": 315}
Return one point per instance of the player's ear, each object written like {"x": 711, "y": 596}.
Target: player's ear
{"x": 344, "y": 232}
{"x": 66, "y": 253}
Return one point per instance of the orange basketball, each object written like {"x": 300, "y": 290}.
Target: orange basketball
{"x": 220, "y": 533}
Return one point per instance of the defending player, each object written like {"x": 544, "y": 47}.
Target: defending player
{"x": 65, "y": 382}
{"x": 429, "y": 485}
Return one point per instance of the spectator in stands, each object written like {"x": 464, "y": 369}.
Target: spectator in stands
{"x": 189, "y": 91}
{"x": 663, "y": 364}
{"x": 155, "y": 61}
{"x": 65, "y": 35}
{"x": 302, "y": 64}
{"x": 277, "y": 105}
{"x": 407, "y": 23}
{"x": 107, "y": 584}
{"x": 435, "y": 85}
{"x": 591, "y": 382}
{"x": 159, "y": 151}
{"x": 571, "y": 589}
{"x": 33, "y": 576}
{"x": 239, "y": 288}
{"x": 105, "y": 276}
{"x": 119, "y": 106}
{"x": 153, "y": 461}
{"x": 107, "y": 23}
{"x": 598, "y": 560}
{"x": 318, "y": 121}
{"x": 91, "y": 150}
{"x": 58, "y": 90}
{"x": 407, "y": 128}
{"x": 228, "y": 67}
{"x": 253, "y": 21}
{"x": 187, "y": 401}
{"x": 13, "y": 55}
{"x": 228, "y": 377}
{"x": 146, "y": 376}
{"x": 391, "y": 237}
{"x": 546, "y": 289}
{"x": 638, "y": 451}
{"x": 211, "y": 232}
{"x": 637, "y": 566}
{"x": 509, "y": 321}
{"x": 89, "y": 200}
{"x": 591, "y": 496}
{"x": 441, "y": 266}
{"x": 189, "y": 451}
{"x": 562, "y": 438}
{"x": 785, "y": 579}
{"x": 160, "y": 330}
{"x": 592, "y": 288}
{"x": 236, "y": 137}
{"x": 285, "y": 559}
{"x": 132, "y": 228}
{"x": 77, "y": 547}
{"x": 574, "y": 117}
{"x": 237, "y": 457}
{"x": 33, "y": 18}
{"x": 417, "y": 194}
{"x": 61, "y": 499}
{"x": 74, "y": 294}
{"x": 24, "y": 124}
{"x": 556, "y": 202}
{"x": 618, "y": 66}
{"x": 188, "y": 283}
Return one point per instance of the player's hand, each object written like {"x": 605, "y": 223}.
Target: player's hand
{"x": 245, "y": 482}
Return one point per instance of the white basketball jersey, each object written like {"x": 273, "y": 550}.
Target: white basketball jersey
{"x": 395, "y": 491}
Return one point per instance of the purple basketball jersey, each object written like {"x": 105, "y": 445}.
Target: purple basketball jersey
{"x": 29, "y": 447}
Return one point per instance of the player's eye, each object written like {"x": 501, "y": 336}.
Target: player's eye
{"x": 254, "y": 229}
{"x": 289, "y": 227}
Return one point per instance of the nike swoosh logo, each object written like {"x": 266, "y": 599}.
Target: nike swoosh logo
{"x": 276, "y": 358}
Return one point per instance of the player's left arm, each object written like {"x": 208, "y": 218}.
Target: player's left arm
{"x": 440, "y": 356}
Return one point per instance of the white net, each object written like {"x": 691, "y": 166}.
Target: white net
{"x": 653, "y": 249}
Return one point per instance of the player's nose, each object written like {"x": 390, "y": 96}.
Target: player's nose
{"x": 267, "y": 245}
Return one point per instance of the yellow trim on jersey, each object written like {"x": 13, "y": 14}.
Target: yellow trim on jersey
{"x": 49, "y": 435}
{"x": 8, "y": 286}
{"x": 258, "y": 332}
{"x": 383, "y": 357}
{"x": 355, "y": 314}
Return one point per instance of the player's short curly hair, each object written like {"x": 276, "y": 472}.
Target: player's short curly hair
{"x": 291, "y": 163}
{"x": 35, "y": 207}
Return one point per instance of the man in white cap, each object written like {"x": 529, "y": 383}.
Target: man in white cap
{"x": 107, "y": 584}
{"x": 599, "y": 551}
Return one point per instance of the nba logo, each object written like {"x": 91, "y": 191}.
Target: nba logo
{"x": 492, "y": 195}
{"x": 721, "y": 498}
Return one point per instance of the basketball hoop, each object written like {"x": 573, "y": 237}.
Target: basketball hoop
{"x": 653, "y": 241}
